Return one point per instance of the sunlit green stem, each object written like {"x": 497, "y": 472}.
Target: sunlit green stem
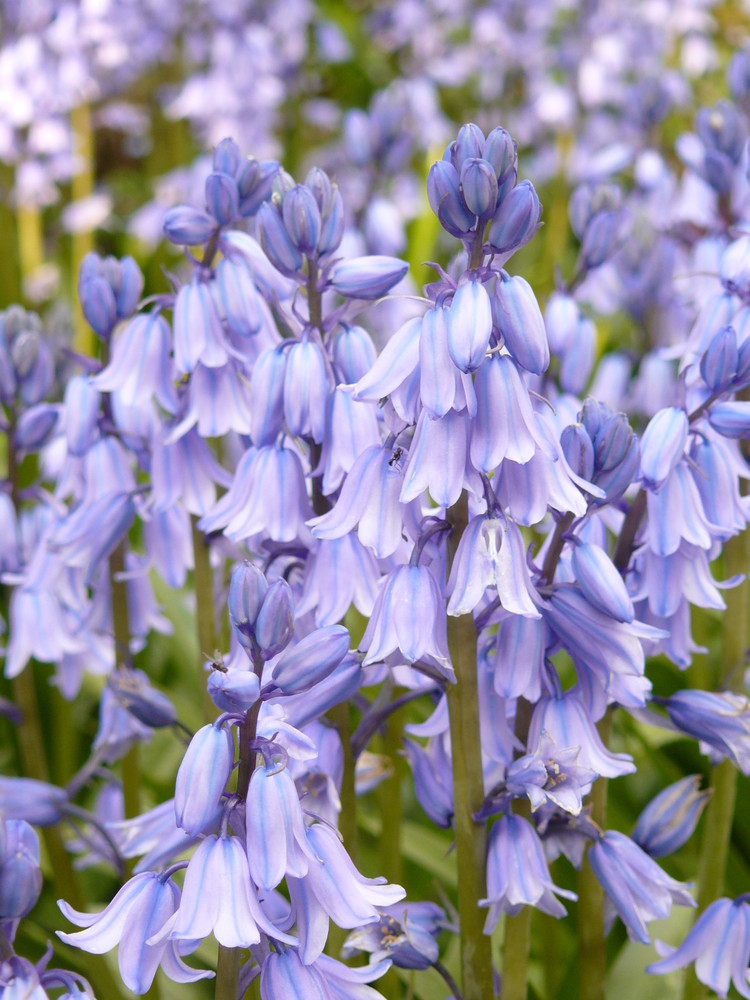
{"x": 468, "y": 790}
{"x": 717, "y": 828}
{"x": 81, "y": 186}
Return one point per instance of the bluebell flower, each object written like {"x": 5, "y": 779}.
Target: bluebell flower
{"x": 202, "y": 777}
{"x": 505, "y": 424}
{"x": 406, "y": 933}
{"x": 154, "y": 836}
{"x": 218, "y": 898}
{"x": 437, "y": 459}
{"x": 516, "y": 656}
{"x": 338, "y": 573}
{"x": 140, "y": 366}
{"x": 20, "y": 871}
{"x": 312, "y": 659}
{"x": 550, "y": 774}
{"x": 516, "y": 220}
{"x": 398, "y": 360}
{"x": 351, "y": 427}
{"x": 440, "y": 382}
{"x": 676, "y": 514}
{"x": 19, "y": 980}
{"x": 720, "y": 719}
{"x": 368, "y": 277}
{"x": 636, "y": 885}
{"x": 222, "y": 197}
{"x": 274, "y": 626}
{"x": 268, "y": 495}
{"x": 218, "y": 402}
{"x": 491, "y": 553}
{"x": 188, "y": 226}
{"x": 469, "y": 325}
{"x": 35, "y": 801}
{"x": 600, "y": 582}
{"x": 568, "y": 724}
{"x": 92, "y": 531}
{"x": 662, "y": 446}
{"x": 237, "y": 296}
{"x": 307, "y": 386}
{"x": 283, "y": 976}
{"x": 431, "y": 772}
{"x": 517, "y": 873}
{"x": 408, "y": 616}
{"x": 267, "y": 396}
{"x": 718, "y": 944}
{"x": 517, "y": 316}
{"x": 369, "y": 500}
{"x": 137, "y": 913}
{"x": 276, "y": 839}
{"x": 198, "y": 334}
{"x": 669, "y": 820}
{"x": 185, "y": 471}
{"x": 333, "y": 888}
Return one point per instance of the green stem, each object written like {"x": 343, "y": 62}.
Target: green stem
{"x": 131, "y": 772}
{"x": 227, "y": 974}
{"x": 391, "y": 806}
{"x": 717, "y": 828}
{"x": 514, "y": 979}
{"x": 592, "y": 943}
{"x": 82, "y": 186}
{"x": 468, "y": 789}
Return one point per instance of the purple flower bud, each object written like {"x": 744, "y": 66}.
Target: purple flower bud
{"x": 276, "y": 242}
{"x": 368, "y": 277}
{"x": 267, "y": 396}
{"x": 662, "y": 445}
{"x": 578, "y": 450}
{"x": 247, "y": 589}
{"x": 255, "y": 182}
{"x": 237, "y": 296}
{"x": 35, "y": 801}
{"x": 20, "y": 872}
{"x": 332, "y": 224}
{"x": 500, "y": 151}
{"x": 301, "y": 217}
{"x": 616, "y": 456}
{"x": 732, "y": 419}
{"x": 578, "y": 358}
{"x": 478, "y": 186}
{"x": 722, "y": 129}
{"x": 187, "y": 226}
{"x": 445, "y": 199}
{"x": 35, "y": 427}
{"x": 353, "y": 353}
{"x": 604, "y": 235}
{"x": 602, "y": 585}
{"x": 468, "y": 144}
{"x": 561, "y": 319}
{"x": 274, "y": 626}
{"x": 233, "y": 690}
{"x": 669, "y": 820}
{"x": 134, "y": 692}
{"x": 636, "y": 885}
{"x": 311, "y": 660}
{"x": 517, "y": 316}
{"x": 202, "y": 778}
{"x": 82, "y": 401}
{"x": 222, "y": 197}
{"x": 307, "y": 386}
{"x": 718, "y": 365}
{"x": 97, "y": 303}
{"x": 469, "y": 326}
{"x": 227, "y": 157}
{"x": 516, "y": 220}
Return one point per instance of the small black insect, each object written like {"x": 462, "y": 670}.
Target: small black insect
{"x": 217, "y": 661}
{"x": 396, "y": 457}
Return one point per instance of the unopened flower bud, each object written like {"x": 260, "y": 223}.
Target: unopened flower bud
{"x": 516, "y": 219}
{"x": 301, "y": 216}
{"x": 368, "y": 277}
{"x": 478, "y": 186}
{"x": 20, "y": 871}
{"x": 517, "y": 316}
{"x": 274, "y": 625}
{"x": 718, "y": 365}
{"x": 669, "y": 820}
{"x": 222, "y": 197}
{"x": 202, "y": 777}
{"x": 247, "y": 588}
{"x": 187, "y": 226}
{"x": 312, "y": 659}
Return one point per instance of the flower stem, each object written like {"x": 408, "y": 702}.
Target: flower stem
{"x": 592, "y": 943}
{"x": 82, "y": 186}
{"x": 204, "y": 610}
{"x": 717, "y": 827}
{"x": 468, "y": 788}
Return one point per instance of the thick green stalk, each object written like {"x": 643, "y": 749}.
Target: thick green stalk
{"x": 81, "y": 186}
{"x": 717, "y": 828}
{"x": 468, "y": 790}
{"x": 131, "y": 771}
{"x": 592, "y": 943}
